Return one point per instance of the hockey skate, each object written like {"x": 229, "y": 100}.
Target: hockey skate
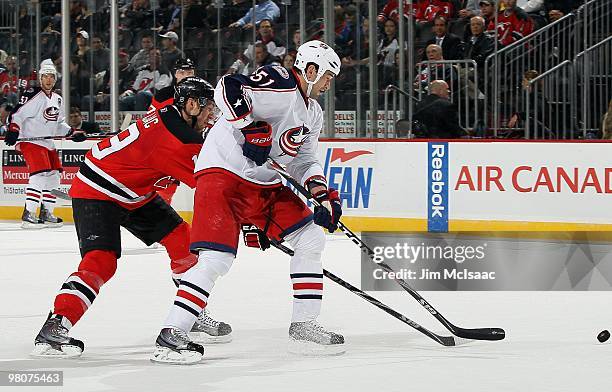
{"x": 309, "y": 338}
{"x": 29, "y": 221}
{"x": 207, "y": 330}
{"x": 53, "y": 341}
{"x": 174, "y": 347}
{"x": 48, "y": 219}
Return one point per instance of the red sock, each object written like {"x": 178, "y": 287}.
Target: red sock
{"x": 177, "y": 246}
{"x": 82, "y": 287}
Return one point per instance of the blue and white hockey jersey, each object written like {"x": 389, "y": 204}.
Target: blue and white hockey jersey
{"x": 270, "y": 94}
{"x": 39, "y": 114}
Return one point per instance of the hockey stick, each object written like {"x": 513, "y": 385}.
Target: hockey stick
{"x": 127, "y": 119}
{"x": 443, "y": 340}
{"x": 467, "y": 333}
{"x": 61, "y": 195}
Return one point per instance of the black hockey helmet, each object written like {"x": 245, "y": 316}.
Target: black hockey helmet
{"x": 193, "y": 87}
{"x": 183, "y": 63}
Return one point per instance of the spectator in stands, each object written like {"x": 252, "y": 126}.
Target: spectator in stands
{"x": 554, "y": 15}
{"x": 386, "y": 51}
{"x": 170, "y": 53}
{"x": 82, "y": 44}
{"x": 427, "y": 73}
{"x": 49, "y": 44}
{"x": 262, "y": 57}
{"x": 101, "y": 55}
{"x": 148, "y": 80}
{"x": 9, "y": 87}
{"x": 487, "y": 10}
{"x": 265, "y": 9}
{"x": 126, "y": 79}
{"x": 136, "y": 15}
{"x": 75, "y": 120}
{"x": 538, "y": 118}
{"x": 79, "y": 16}
{"x": 391, "y": 11}
{"x": 346, "y": 37}
{"x": 79, "y": 79}
{"x": 438, "y": 114}
{"x": 469, "y": 8}
{"x": 512, "y": 23}
{"x": 564, "y": 7}
{"x": 296, "y": 41}
{"x": 452, "y": 47}
{"x": 265, "y": 36}
{"x": 479, "y": 46}
{"x": 141, "y": 58}
{"x": 194, "y": 14}
{"x": 289, "y": 60}
{"x": 428, "y": 10}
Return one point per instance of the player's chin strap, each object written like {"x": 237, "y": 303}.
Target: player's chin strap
{"x": 310, "y": 84}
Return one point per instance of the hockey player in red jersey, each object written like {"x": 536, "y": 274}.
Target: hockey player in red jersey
{"x": 40, "y": 113}
{"x": 115, "y": 187}
{"x": 270, "y": 113}
{"x": 183, "y": 68}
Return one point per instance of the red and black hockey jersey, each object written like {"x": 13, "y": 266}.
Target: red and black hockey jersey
{"x": 163, "y": 97}
{"x": 391, "y": 10}
{"x": 512, "y": 25}
{"x": 128, "y": 167}
{"x": 428, "y": 10}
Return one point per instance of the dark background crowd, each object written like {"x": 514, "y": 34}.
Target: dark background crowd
{"x": 152, "y": 38}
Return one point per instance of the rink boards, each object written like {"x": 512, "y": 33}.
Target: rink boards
{"x": 434, "y": 186}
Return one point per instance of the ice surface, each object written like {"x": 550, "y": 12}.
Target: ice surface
{"x": 550, "y": 346}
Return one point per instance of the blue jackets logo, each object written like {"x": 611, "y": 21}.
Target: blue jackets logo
{"x": 437, "y": 192}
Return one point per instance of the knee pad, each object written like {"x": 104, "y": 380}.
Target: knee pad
{"x": 214, "y": 263}
{"x": 309, "y": 239}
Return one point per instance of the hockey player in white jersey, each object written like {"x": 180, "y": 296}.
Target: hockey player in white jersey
{"x": 270, "y": 113}
{"x": 40, "y": 113}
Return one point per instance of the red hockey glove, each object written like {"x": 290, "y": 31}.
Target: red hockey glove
{"x": 254, "y": 238}
{"x": 257, "y": 142}
{"x": 328, "y": 214}
{"x": 10, "y": 139}
{"x": 77, "y": 135}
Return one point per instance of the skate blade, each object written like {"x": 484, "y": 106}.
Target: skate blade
{"x": 171, "y": 357}
{"x": 306, "y": 348}
{"x": 204, "y": 338}
{"x": 44, "y": 350}
{"x": 52, "y": 225}
{"x": 32, "y": 226}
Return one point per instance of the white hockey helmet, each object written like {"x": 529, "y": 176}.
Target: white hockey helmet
{"x": 47, "y": 67}
{"x": 322, "y": 55}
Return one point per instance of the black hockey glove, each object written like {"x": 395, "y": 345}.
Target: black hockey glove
{"x": 77, "y": 135}
{"x": 257, "y": 142}
{"x": 10, "y": 139}
{"x": 328, "y": 214}
{"x": 254, "y": 238}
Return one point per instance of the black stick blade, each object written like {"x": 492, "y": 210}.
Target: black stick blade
{"x": 480, "y": 333}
